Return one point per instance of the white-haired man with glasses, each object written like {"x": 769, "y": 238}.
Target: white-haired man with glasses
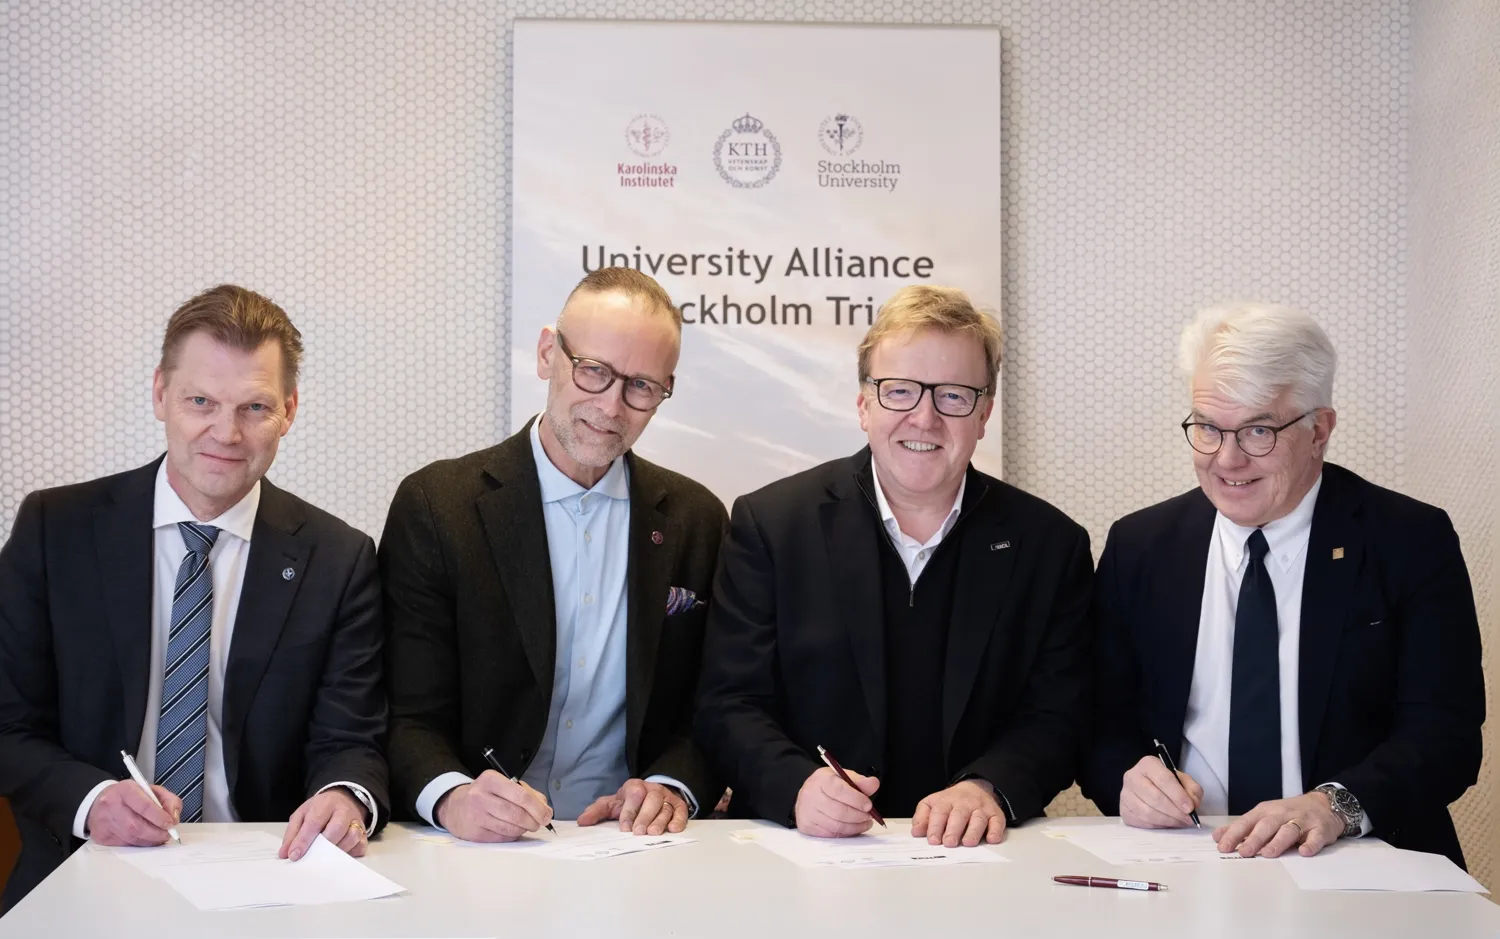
{"x": 1301, "y": 641}
{"x": 923, "y": 622}
{"x": 546, "y": 598}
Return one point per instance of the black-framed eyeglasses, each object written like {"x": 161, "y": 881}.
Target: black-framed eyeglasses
{"x": 1253, "y": 439}
{"x": 904, "y": 394}
{"x": 595, "y": 377}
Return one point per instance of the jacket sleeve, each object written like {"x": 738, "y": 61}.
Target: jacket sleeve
{"x": 421, "y": 647}
{"x": 42, "y": 780}
{"x": 1433, "y": 752}
{"x": 347, "y": 727}
{"x": 735, "y": 725}
{"x": 1037, "y": 755}
{"x": 1117, "y": 741}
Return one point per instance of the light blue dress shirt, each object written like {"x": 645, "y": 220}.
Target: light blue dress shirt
{"x": 582, "y": 753}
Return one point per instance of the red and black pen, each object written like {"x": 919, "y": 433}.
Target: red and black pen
{"x": 1079, "y": 881}
{"x": 834, "y": 765}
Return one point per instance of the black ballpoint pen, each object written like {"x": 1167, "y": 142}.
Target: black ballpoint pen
{"x": 1166, "y": 760}
{"x": 489, "y": 756}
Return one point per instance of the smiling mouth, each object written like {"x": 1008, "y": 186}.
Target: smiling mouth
{"x": 595, "y": 428}
{"x": 1238, "y": 483}
{"x": 919, "y": 446}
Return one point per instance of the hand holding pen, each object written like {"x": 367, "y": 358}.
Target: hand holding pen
{"x": 1154, "y": 795}
{"x": 834, "y": 803}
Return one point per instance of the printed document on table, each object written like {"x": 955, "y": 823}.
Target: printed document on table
{"x": 877, "y": 848}
{"x": 572, "y": 843}
{"x": 230, "y": 870}
{"x": 1121, "y": 844}
{"x": 198, "y": 848}
{"x": 1371, "y": 864}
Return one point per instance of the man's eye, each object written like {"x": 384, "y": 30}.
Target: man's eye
{"x": 1257, "y": 431}
{"x": 198, "y": 401}
{"x": 257, "y": 407}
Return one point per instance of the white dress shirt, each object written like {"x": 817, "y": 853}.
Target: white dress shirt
{"x": 227, "y": 560}
{"x": 914, "y": 554}
{"x": 1205, "y": 731}
{"x": 582, "y": 753}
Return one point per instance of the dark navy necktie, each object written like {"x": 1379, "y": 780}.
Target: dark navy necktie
{"x": 183, "y": 728}
{"x": 1255, "y": 690}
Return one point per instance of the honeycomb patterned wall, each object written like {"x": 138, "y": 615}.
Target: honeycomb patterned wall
{"x": 350, "y": 160}
{"x": 1454, "y": 313}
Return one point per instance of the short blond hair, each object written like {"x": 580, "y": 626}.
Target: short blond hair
{"x": 941, "y": 309}
{"x": 239, "y": 318}
{"x": 632, "y": 283}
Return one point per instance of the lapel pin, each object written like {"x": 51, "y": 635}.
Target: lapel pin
{"x": 1000, "y": 546}
{"x": 1338, "y": 554}
{"x": 656, "y": 537}
{"x": 288, "y": 573}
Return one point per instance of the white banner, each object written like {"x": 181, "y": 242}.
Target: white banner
{"x": 781, "y": 182}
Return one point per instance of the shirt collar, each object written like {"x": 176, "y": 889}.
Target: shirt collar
{"x": 556, "y": 486}
{"x": 888, "y": 517}
{"x": 169, "y": 509}
{"x": 1286, "y": 537}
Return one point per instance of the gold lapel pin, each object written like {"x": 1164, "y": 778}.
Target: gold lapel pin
{"x": 1338, "y": 554}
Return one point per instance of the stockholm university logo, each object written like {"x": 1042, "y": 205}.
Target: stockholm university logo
{"x": 841, "y": 134}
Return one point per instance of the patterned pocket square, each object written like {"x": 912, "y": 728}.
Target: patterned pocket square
{"x": 680, "y": 600}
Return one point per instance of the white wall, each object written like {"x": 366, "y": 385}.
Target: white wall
{"x": 1454, "y": 323}
{"x": 350, "y": 160}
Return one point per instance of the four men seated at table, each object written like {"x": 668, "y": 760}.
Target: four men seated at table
{"x": 558, "y": 635}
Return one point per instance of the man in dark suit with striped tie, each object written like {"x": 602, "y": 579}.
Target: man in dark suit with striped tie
{"x": 1302, "y": 640}
{"x": 221, "y": 630}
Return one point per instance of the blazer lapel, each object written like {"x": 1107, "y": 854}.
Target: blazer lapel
{"x": 852, "y": 535}
{"x": 517, "y": 535}
{"x": 1179, "y": 595}
{"x": 986, "y": 561}
{"x": 126, "y": 550}
{"x": 653, "y": 552}
{"x": 266, "y": 597}
{"x": 1335, "y": 550}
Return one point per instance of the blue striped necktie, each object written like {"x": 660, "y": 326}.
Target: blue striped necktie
{"x": 183, "y": 728}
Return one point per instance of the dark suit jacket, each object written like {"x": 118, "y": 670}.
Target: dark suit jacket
{"x": 796, "y": 655}
{"x": 303, "y": 704}
{"x": 1390, "y": 692}
{"x": 473, "y": 623}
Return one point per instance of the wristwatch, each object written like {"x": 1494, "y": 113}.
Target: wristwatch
{"x": 1345, "y": 806}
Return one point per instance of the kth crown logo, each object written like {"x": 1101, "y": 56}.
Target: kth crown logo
{"x": 747, "y": 155}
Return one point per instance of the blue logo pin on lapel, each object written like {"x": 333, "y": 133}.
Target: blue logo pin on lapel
{"x": 288, "y": 573}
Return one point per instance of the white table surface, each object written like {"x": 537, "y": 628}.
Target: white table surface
{"x": 722, "y": 888}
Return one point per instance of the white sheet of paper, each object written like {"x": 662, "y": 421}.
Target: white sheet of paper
{"x": 1371, "y": 864}
{"x": 572, "y": 843}
{"x": 198, "y": 848}
{"x": 893, "y": 848}
{"x": 1121, "y": 844}
{"x": 232, "y": 870}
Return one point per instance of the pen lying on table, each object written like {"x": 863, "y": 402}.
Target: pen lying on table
{"x": 1080, "y": 881}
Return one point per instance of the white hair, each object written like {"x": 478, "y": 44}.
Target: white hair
{"x": 1255, "y": 351}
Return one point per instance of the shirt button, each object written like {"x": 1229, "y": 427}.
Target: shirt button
{"x": 921, "y": 555}
{"x": 557, "y": 784}
{"x": 570, "y": 725}
{"x": 583, "y": 502}
{"x": 588, "y": 598}
{"x": 587, "y": 537}
{"x": 581, "y": 661}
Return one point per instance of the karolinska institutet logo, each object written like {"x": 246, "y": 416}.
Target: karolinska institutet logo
{"x": 840, "y": 135}
{"x": 647, "y": 136}
{"x": 747, "y": 155}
